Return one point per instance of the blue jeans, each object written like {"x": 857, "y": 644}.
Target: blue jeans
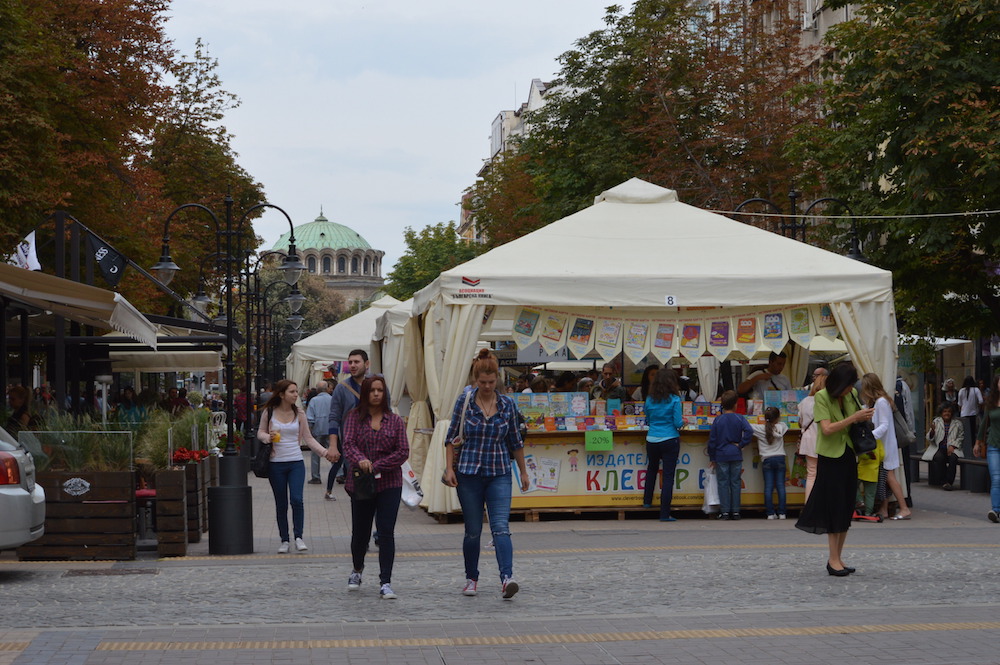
{"x": 492, "y": 493}
{"x": 383, "y": 509}
{"x": 993, "y": 460}
{"x": 774, "y": 479}
{"x": 667, "y": 451}
{"x": 287, "y": 479}
{"x": 728, "y": 475}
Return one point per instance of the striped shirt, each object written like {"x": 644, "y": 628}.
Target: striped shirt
{"x": 487, "y": 442}
{"x": 386, "y": 448}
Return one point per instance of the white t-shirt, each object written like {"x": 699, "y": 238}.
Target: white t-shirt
{"x": 969, "y": 401}
{"x": 776, "y": 382}
{"x": 288, "y": 449}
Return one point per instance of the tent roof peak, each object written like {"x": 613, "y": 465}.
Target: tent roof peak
{"x": 636, "y": 190}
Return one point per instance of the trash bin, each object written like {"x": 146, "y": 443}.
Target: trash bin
{"x": 977, "y": 478}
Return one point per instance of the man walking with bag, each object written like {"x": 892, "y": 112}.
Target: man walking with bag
{"x": 318, "y": 415}
{"x": 345, "y": 397}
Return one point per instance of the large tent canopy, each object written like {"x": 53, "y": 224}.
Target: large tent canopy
{"x": 335, "y": 342}
{"x": 639, "y": 272}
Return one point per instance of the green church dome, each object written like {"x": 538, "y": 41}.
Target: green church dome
{"x": 323, "y": 234}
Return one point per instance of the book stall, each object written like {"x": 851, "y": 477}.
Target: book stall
{"x": 729, "y": 291}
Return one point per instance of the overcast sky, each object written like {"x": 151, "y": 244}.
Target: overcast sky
{"x": 377, "y": 111}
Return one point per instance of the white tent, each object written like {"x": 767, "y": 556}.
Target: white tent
{"x": 335, "y": 342}
{"x": 638, "y": 263}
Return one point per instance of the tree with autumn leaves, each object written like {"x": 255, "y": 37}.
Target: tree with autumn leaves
{"x": 90, "y": 125}
{"x": 689, "y": 95}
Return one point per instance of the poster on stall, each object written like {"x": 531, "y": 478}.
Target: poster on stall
{"x": 826, "y": 324}
{"x": 553, "y": 331}
{"x": 547, "y": 474}
{"x": 775, "y": 334}
{"x": 664, "y": 346}
{"x": 799, "y": 329}
{"x": 581, "y": 336}
{"x": 636, "y": 340}
{"x": 526, "y": 326}
{"x": 609, "y": 338}
{"x": 532, "y": 466}
{"x": 719, "y": 338}
{"x": 746, "y": 335}
{"x": 692, "y": 341}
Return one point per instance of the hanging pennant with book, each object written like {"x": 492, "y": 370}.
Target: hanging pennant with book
{"x": 692, "y": 343}
{"x": 720, "y": 338}
{"x": 580, "y": 339}
{"x": 609, "y": 338}
{"x": 664, "y": 341}
{"x": 553, "y": 331}
{"x": 775, "y": 334}
{"x": 636, "y": 340}
{"x": 826, "y": 324}
{"x": 800, "y": 329}
{"x": 525, "y": 326}
{"x": 747, "y": 340}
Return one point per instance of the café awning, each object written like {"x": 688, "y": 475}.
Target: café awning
{"x": 89, "y": 305}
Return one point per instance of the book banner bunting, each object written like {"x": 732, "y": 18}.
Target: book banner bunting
{"x": 526, "y": 325}
{"x": 663, "y": 343}
{"x": 825, "y": 324}
{"x": 720, "y": 338}
{"x": 553, "y": 331}
{"x": 636, "y": 340}
{"x": 609, "y": 338}
{"x": 581, "y": 335}
{"x": 800, "y": 328}
{"x": 747, "y": 335}
{"x": 774, "y": 331}
{"x": 692, "y": 342}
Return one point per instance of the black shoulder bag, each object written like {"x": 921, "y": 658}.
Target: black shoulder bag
{"x": 261, "y": 464}
{"x": 862, "y": 434}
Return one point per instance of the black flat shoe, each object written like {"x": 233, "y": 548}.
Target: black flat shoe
{"x": 850, "y": 570}
{"x": 843, "y": 572}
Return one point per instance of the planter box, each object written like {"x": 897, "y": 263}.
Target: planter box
{"x": 195, "y": 499}
{"x": 89, "y": 515}
{"x": 171, "y": 513}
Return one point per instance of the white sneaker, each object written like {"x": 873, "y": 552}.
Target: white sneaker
{"x": 385, "y": 593}
{"x": 470, "y": 588}
{"x": 781, "y": 516}
{"x": 509, "y": 588}
{"x": 354, "y": 581}
{"x": 284, "y": 547}
{"x": 772, "y": 517}
{"x": 300, "y": 545}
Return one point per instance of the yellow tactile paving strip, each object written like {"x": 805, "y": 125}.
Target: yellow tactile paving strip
{"x": 543, "y": 638}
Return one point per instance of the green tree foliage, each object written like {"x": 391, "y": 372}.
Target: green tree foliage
{"x": 693, "y": 96}
{"x": 912, "y": 126}
{"x": 429, "y": 252}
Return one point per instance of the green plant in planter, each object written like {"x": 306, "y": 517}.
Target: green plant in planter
{"x": 65, "y": 442}
{"x": 154, "y": 439}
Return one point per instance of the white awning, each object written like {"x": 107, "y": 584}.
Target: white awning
{"x": 84, "y": 304}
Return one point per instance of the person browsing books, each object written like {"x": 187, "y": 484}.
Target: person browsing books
{"x": 769, "y": 378}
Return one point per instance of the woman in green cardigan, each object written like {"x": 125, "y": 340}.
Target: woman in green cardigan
{"x": 830, "y": 506}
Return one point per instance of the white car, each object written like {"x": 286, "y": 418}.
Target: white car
{"x": 22, "y": 502}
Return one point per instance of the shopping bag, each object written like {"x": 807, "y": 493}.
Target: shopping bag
{"x": 711, "y": 503}
{"x": 412, "y": 494}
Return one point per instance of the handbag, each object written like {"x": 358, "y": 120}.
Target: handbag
{"x": 261, "y": 464}
{"x": 364, "y": 485}
{"x": 862, "y": 435}
{"x": 904, "y": 435}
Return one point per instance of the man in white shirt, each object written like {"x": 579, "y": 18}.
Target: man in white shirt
{"x": 769, "y": 378}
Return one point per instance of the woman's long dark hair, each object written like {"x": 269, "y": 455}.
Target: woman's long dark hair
{"x": 278, "y": 393}
{"x": 644, "y": 385}
{"x": 841, "y": 378}
{"x": 366, "y": 391}
{"x": 664, "y": 385}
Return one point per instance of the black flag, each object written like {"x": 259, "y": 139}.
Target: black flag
{"x": 111, "y": 261}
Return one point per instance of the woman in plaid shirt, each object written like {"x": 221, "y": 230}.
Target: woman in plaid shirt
{"x": 374, "y": 440}
{"x": 490, "y": 439}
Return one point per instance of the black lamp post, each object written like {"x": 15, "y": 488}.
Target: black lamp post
{"x": 794, "y": 223}
{"x": 230, "y": 515}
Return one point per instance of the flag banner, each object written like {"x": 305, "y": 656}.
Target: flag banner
{"x": 692, "y": 340}
{"x": 664, "y": 342}
{"x": 826, "y": 325}
{"x": 111, "y": 262}
{"x": 775, "y": 334}
{"x": 553, "y": 331}
{"x": 636, "y": 340}
{"x": 720, "y": 338}
{"x": 800, "y": 329}
{"x": 526, "y": 326}
{"x": 581, "y": 336}
{"x": 609, "y": 338}
{"x": 24, "y": 255}
{"x": 747, "y": 339}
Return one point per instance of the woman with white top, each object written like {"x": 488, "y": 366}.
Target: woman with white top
{"x": 970, "y": 403}
{"x": 283, "y": 425}
{"x": 874, "y": 395}
{"x": 807, "y": 442}
{"x": 771, "y": 445}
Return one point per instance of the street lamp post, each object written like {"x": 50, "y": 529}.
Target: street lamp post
{"x": 230, "y": 514}
{"x": 792, "y": 224}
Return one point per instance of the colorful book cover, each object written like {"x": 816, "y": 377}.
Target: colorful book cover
{"x": 621, "y": 422}
{"x": 718, "y": 335}
{"x": 664, "y": 336}
{"x": 553, "y": 328}
{"x": 599, "y": 407}
{"x": 523, "y": 401}
{"x": 610, "y": 423}
{"x": 580, "y": 334}
{"x": 547, "y": 476}
{"x": 774, "y": 326}
{"x": 559, "y": 404}
{"x": 687, "y": 408}
{"x": 613, "y": 407}
{"x": 716, "y": 408}
{"x": 640, "y": 422}
{"x": 628, "y": 408}
{"x": 539, "y": 401}
{"x": 590, "y": 423}
{"x": 630, "y": 422}
{"x": 560, "y": 423}
{"x": 609, "y": 333}
{"x": 691, "y": 336}
{"x": 550, "y": 424}
{"x": 526, "y": 322}
{"x": 534, "y": 418}
{"x": 579, "y": 404}
{"x": 570, "y": 423}
{"x": 702, "y": 408}
{"x": 746, "y": 331}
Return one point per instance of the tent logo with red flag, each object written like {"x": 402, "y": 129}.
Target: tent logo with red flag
{"x": 468, "y": 281}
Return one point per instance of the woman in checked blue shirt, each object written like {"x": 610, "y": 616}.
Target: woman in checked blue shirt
{"x": 484, "y": 448}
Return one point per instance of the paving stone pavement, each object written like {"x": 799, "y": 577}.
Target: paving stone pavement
{"x": 592, "y": 591}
